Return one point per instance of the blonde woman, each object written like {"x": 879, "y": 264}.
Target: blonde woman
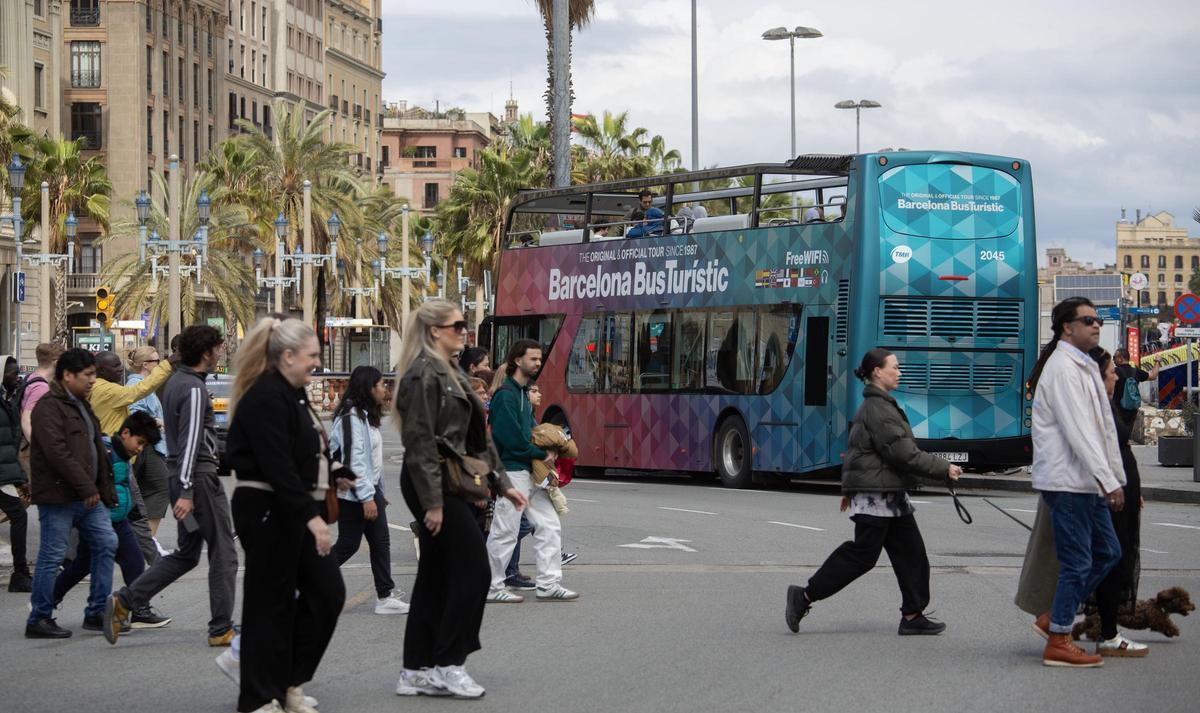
{"x": 150, "y": 469}
{"x": 278, "y": 449}
{"x": 435, "y": 403}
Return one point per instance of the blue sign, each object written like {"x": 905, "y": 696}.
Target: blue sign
{"x": 18, "y": 287}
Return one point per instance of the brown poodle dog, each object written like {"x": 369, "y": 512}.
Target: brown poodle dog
{"x": 1153, "y": 614}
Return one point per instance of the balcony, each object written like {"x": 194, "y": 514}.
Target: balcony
{"x": 85, "y": 17}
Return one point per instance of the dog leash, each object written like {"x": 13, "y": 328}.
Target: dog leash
{"x": 963, "y": 513}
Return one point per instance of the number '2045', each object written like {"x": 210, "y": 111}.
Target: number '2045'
{"x": 988, "y": 255}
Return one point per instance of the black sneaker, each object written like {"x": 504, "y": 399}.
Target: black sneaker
{"x": 797, "y": 607}
{"x": 920, "y": 625}
{"x": 520, "y": 582}
{"x": 148, "y": 618}
{"x": 46, "y": 629}
{"x": 95, "y": 622}
{"x": 20, "y": 581}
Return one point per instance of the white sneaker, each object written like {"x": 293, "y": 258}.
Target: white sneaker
{"x": 503, "y": 596}
{"x": 391, "y": 605}
{"x": 297, "y": 702}
{"x": 456, "y": 681}
{"x": 1120, "y": 646}
{"x": 418, "y": 683}
{"x": 230, "y": 666}
{"x": 557, "y": 593}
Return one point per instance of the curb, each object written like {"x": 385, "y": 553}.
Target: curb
{"x": 1149, "y": 492}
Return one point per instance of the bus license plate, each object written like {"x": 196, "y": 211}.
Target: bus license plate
{"x": 952, "y": 457}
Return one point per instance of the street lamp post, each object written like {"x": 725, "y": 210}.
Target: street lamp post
{"x": 16, "y": 180}
{"x": 857, "y": 107}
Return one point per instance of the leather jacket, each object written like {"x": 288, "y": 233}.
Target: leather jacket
{"x": 434, "y": 401}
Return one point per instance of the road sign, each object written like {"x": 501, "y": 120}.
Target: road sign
{"x": 1187, "y": 308}
{"x": 1139, "y": 281}
{"x": 1187, "y": 332}
{"x": 18, "y": 287}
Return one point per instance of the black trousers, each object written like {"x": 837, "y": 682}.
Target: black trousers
{"x": 352, "y": 526}
{"x": 291, "y": 601}
{"x": 453, "y": 574}
{"x": 18, "y": 524}
{"x": 902, "y": 540}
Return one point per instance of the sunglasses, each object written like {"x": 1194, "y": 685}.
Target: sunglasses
{"x": 459, "y": 326}
{"x": 1090, "y": 321}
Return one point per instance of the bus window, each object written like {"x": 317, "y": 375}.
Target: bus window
{"x": 778, "y": 329}
{"x": 652, "y": 331}
{"x": 583, "y": 367}
{"x": 729, "y": 361}
{"x": 616, "y": 353}
{"x": 687, "y": 373}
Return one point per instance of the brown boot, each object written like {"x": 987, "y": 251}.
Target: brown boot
{"x": 1041, "y": 625}
{"x": 1061, "y": 651}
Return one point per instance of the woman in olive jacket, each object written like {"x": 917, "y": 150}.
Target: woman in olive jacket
{"x": 435, "y": 404}
{"x": 882, "y": 462}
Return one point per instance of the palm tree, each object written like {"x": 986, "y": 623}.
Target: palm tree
{"x": 579, "y": 13}
{"x": 279, "y": 165}
{"x": 471, "y": 219}
{"x": 77, "y": 185}
{"x": 225, "y": 273}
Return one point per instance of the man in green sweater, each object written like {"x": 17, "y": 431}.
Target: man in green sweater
{"x": 512, "y": 431}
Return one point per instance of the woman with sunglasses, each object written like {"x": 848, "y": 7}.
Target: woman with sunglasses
{"x": 437, "y": 411}
{"x": 150, "y": 468}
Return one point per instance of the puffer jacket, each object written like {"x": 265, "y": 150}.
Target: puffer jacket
{"x": 434, "y": 401}
{"x": 11, "y": 472}
{"x": 882, "y": 455}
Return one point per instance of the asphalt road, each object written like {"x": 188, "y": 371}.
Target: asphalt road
{"x": 689, "y": 618}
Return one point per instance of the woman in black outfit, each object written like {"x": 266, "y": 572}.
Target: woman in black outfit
{"x": 1121, "y": 584}
{"x": 435, "y": 403}
{"x": 277, "y": 449}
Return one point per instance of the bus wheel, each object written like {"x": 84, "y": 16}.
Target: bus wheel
{"x": 732, "y": 453}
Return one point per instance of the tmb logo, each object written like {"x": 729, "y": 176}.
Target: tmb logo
{"x": 901, "y": 254}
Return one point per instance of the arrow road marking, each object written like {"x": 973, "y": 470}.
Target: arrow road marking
{"x": 1171, "y": 524}
{"x": 792, "y": 524}
{"x": 660, "y": 543}
{"x": 698, "y": 512}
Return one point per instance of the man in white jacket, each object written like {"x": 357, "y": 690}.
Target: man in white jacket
{"x": 1077, "y": 468}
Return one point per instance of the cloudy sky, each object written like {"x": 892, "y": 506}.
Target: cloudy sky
{"x": 1104, "y": 104}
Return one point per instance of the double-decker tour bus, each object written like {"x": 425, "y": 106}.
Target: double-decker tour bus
{"x": 721, "y": 337}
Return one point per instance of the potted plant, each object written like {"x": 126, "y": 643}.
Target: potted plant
{"x": 1177, "y": 450}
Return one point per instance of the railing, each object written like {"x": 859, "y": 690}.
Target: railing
{"x": 85, "y": 17}
{"x": 91, "y": 139}
{"x": 88, "y": 281}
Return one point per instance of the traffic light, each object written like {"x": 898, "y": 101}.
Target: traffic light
{"x": 104, "y": 306}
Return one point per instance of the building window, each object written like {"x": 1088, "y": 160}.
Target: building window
{"x": 39, "y": 85}
{"x": 431, "y": 195}
{"x": 1162, "y": 260}
{"x": 149, "y": 131}
{"x": 85, "y": 64}
{"x": 86, "y": 124}
{"x": 84, "y": 13}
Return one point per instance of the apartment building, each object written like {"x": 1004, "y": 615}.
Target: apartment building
{"x": 354, "y": 78}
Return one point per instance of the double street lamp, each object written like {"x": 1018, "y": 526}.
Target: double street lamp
{"x": 857, "y": 106}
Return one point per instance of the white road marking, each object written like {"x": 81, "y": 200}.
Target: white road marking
{"x": 792, "y": 524}
{"x": 1157, "y": 552}
{"x": 1171, "y": 524}
{"x": 660, "y": 543}
{"x": 1020, "y": 510}
{"x": 698, "y": 512}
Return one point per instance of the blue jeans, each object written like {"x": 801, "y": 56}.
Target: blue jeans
{"x": 514, "y": 564}
{"x": 1087, "y": 549}
{"x": 95, "y": 528}
{"x": 128, "y": 556}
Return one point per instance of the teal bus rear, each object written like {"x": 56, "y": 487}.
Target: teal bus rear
{"x": 946, "y": 278}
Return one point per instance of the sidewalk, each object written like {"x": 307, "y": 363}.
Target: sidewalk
{"x": 1172, "y": 485}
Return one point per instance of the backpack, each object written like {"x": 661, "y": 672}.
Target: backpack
{"x": 1131, "y": 395}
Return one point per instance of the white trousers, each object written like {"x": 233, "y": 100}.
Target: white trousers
{"x": 547, "y": 535}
